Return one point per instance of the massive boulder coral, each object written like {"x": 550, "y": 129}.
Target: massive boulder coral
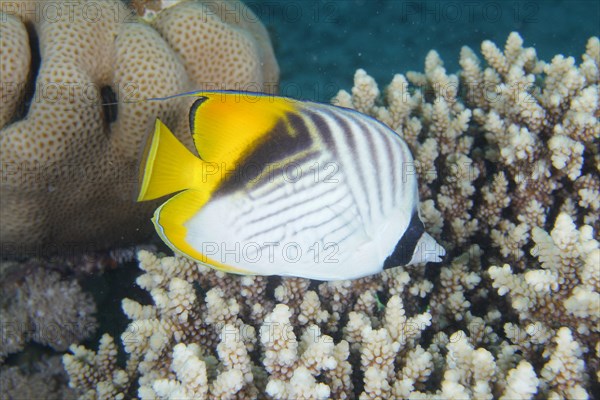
{"x": 68, "y": 161}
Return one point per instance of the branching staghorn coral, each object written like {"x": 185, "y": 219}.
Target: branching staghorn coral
{"x": 215, "y": 329}
{"x": 507, "y": 153}
{"x": 513, "y": 147}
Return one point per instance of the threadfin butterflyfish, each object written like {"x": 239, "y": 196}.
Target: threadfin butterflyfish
{"x": 286, "y": 187}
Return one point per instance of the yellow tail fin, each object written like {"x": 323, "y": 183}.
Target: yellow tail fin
{"x": 167, "y": 165}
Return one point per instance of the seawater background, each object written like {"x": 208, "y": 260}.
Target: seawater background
{"x": 320, "y": 44}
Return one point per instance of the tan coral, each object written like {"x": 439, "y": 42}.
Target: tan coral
{"x": 522, "y": 382}
{"x": 565, "y": 370}
{"x": 190, "y": 371}
{"x": 464, "y": 330}
{"x": 565, "y": 290}
{"x": 540, "y": 125}
{"x": 71, "y": 168}
{"x": 45, "y": 380}
{"x": 46, "y": 309}
{"x": 96, "y": 373}
{"x": 293, "y": 365}
{"x": 15, "y": 64}
{"x": 235, "y": 52}
{"x": 470, "y": 371}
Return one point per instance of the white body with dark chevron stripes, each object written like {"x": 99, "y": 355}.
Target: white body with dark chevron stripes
{"x": 336, "y": 200}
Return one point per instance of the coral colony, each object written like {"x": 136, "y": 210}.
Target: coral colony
{"x": 516, "y": 321}
{"x": 507, "y": 157}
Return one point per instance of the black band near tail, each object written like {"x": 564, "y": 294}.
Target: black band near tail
{"x": 406, "y": 245}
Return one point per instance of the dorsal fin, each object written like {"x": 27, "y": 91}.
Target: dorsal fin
{"x": 225, "y": 125}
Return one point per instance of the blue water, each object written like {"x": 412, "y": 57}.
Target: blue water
{"x": 319, "y": 44}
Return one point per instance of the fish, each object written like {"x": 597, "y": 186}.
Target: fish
{"x": 285, "y": 187}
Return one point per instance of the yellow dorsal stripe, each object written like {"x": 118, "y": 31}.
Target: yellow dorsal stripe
{"x": 227, "y": 125}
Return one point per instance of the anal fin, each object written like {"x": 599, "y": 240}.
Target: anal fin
{"x": 170, "y": 220}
